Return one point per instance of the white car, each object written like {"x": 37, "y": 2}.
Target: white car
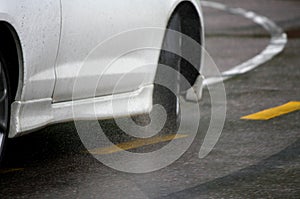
{"x": 45, "y": 43}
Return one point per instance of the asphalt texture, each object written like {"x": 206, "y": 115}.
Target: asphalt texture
{"x": 252, "y": 159}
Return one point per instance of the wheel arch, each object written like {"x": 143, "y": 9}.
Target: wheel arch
{"x": 12, "y": 51}
{"x": 188, "y": 10}
{"x": 192, "y": 26}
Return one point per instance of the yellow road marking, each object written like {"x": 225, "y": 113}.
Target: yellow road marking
{"x": 274, "y": 112}
{"x": 135, "y": 144}
{"x": 4, "y": 171}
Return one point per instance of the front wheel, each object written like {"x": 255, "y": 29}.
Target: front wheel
{"x": 4, "y": 106}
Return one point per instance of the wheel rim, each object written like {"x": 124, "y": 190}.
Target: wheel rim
{"x": 3, "y": 106}
{"x": 178, "y": 83}
{"x": 178, "y": 91}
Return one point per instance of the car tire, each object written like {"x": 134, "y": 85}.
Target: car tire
{"x": 4, "y": 106}
{"x": 167, "y": 93}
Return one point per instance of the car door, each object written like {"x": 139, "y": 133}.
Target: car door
{"x": 85, "y": 26}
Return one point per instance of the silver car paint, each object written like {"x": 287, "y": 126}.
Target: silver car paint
{"x": 80, "y": 35}
{"x": 42, "y": 112}
{"x": 39, "y": 25}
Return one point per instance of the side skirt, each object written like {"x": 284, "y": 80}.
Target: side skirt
{"x": 32, "y": 115}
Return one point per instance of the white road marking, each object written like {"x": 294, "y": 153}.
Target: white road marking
{"x": 277, "y": 42}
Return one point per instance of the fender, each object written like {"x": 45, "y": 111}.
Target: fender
{"x": 37, "y": 24}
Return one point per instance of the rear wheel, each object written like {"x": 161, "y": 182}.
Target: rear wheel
{"x": 4, "y": 105}
{"x": 168, "y": 95}
{"x": 167, "y": 85}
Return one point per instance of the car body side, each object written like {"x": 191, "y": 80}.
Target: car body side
{"x": 54, "y": 37}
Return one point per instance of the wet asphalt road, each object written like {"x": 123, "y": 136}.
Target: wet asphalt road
{"x": 252, "y": 159}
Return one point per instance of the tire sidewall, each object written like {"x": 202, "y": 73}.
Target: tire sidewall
{"x": 4, "y": 141}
